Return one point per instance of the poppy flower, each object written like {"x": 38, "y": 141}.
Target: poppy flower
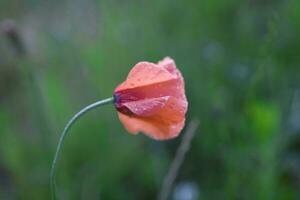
{"x": 152, "y": 100}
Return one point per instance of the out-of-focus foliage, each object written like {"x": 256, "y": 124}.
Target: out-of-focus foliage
{"x": 241, "y": 64}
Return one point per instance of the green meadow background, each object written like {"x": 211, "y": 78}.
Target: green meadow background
{"x": 241, "y": 64}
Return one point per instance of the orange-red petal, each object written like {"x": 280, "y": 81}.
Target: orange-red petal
{"x": 143, "y": 74}
{"x": 147, "y": 107}
{"x": 165, "y": 124}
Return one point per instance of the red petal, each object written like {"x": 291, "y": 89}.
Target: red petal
{"x": 165, "y": 124}
{"x": 147, "y": 107}
{"x": 143, "y": 74}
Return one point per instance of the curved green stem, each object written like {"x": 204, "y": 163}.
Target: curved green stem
{"x": 63, "y": 135}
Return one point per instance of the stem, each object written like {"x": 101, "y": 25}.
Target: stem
{"x": 178, "y": 160}
{"x": 63, "y": 135}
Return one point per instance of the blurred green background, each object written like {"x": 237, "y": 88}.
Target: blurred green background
{"x": 240, "y": 60}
